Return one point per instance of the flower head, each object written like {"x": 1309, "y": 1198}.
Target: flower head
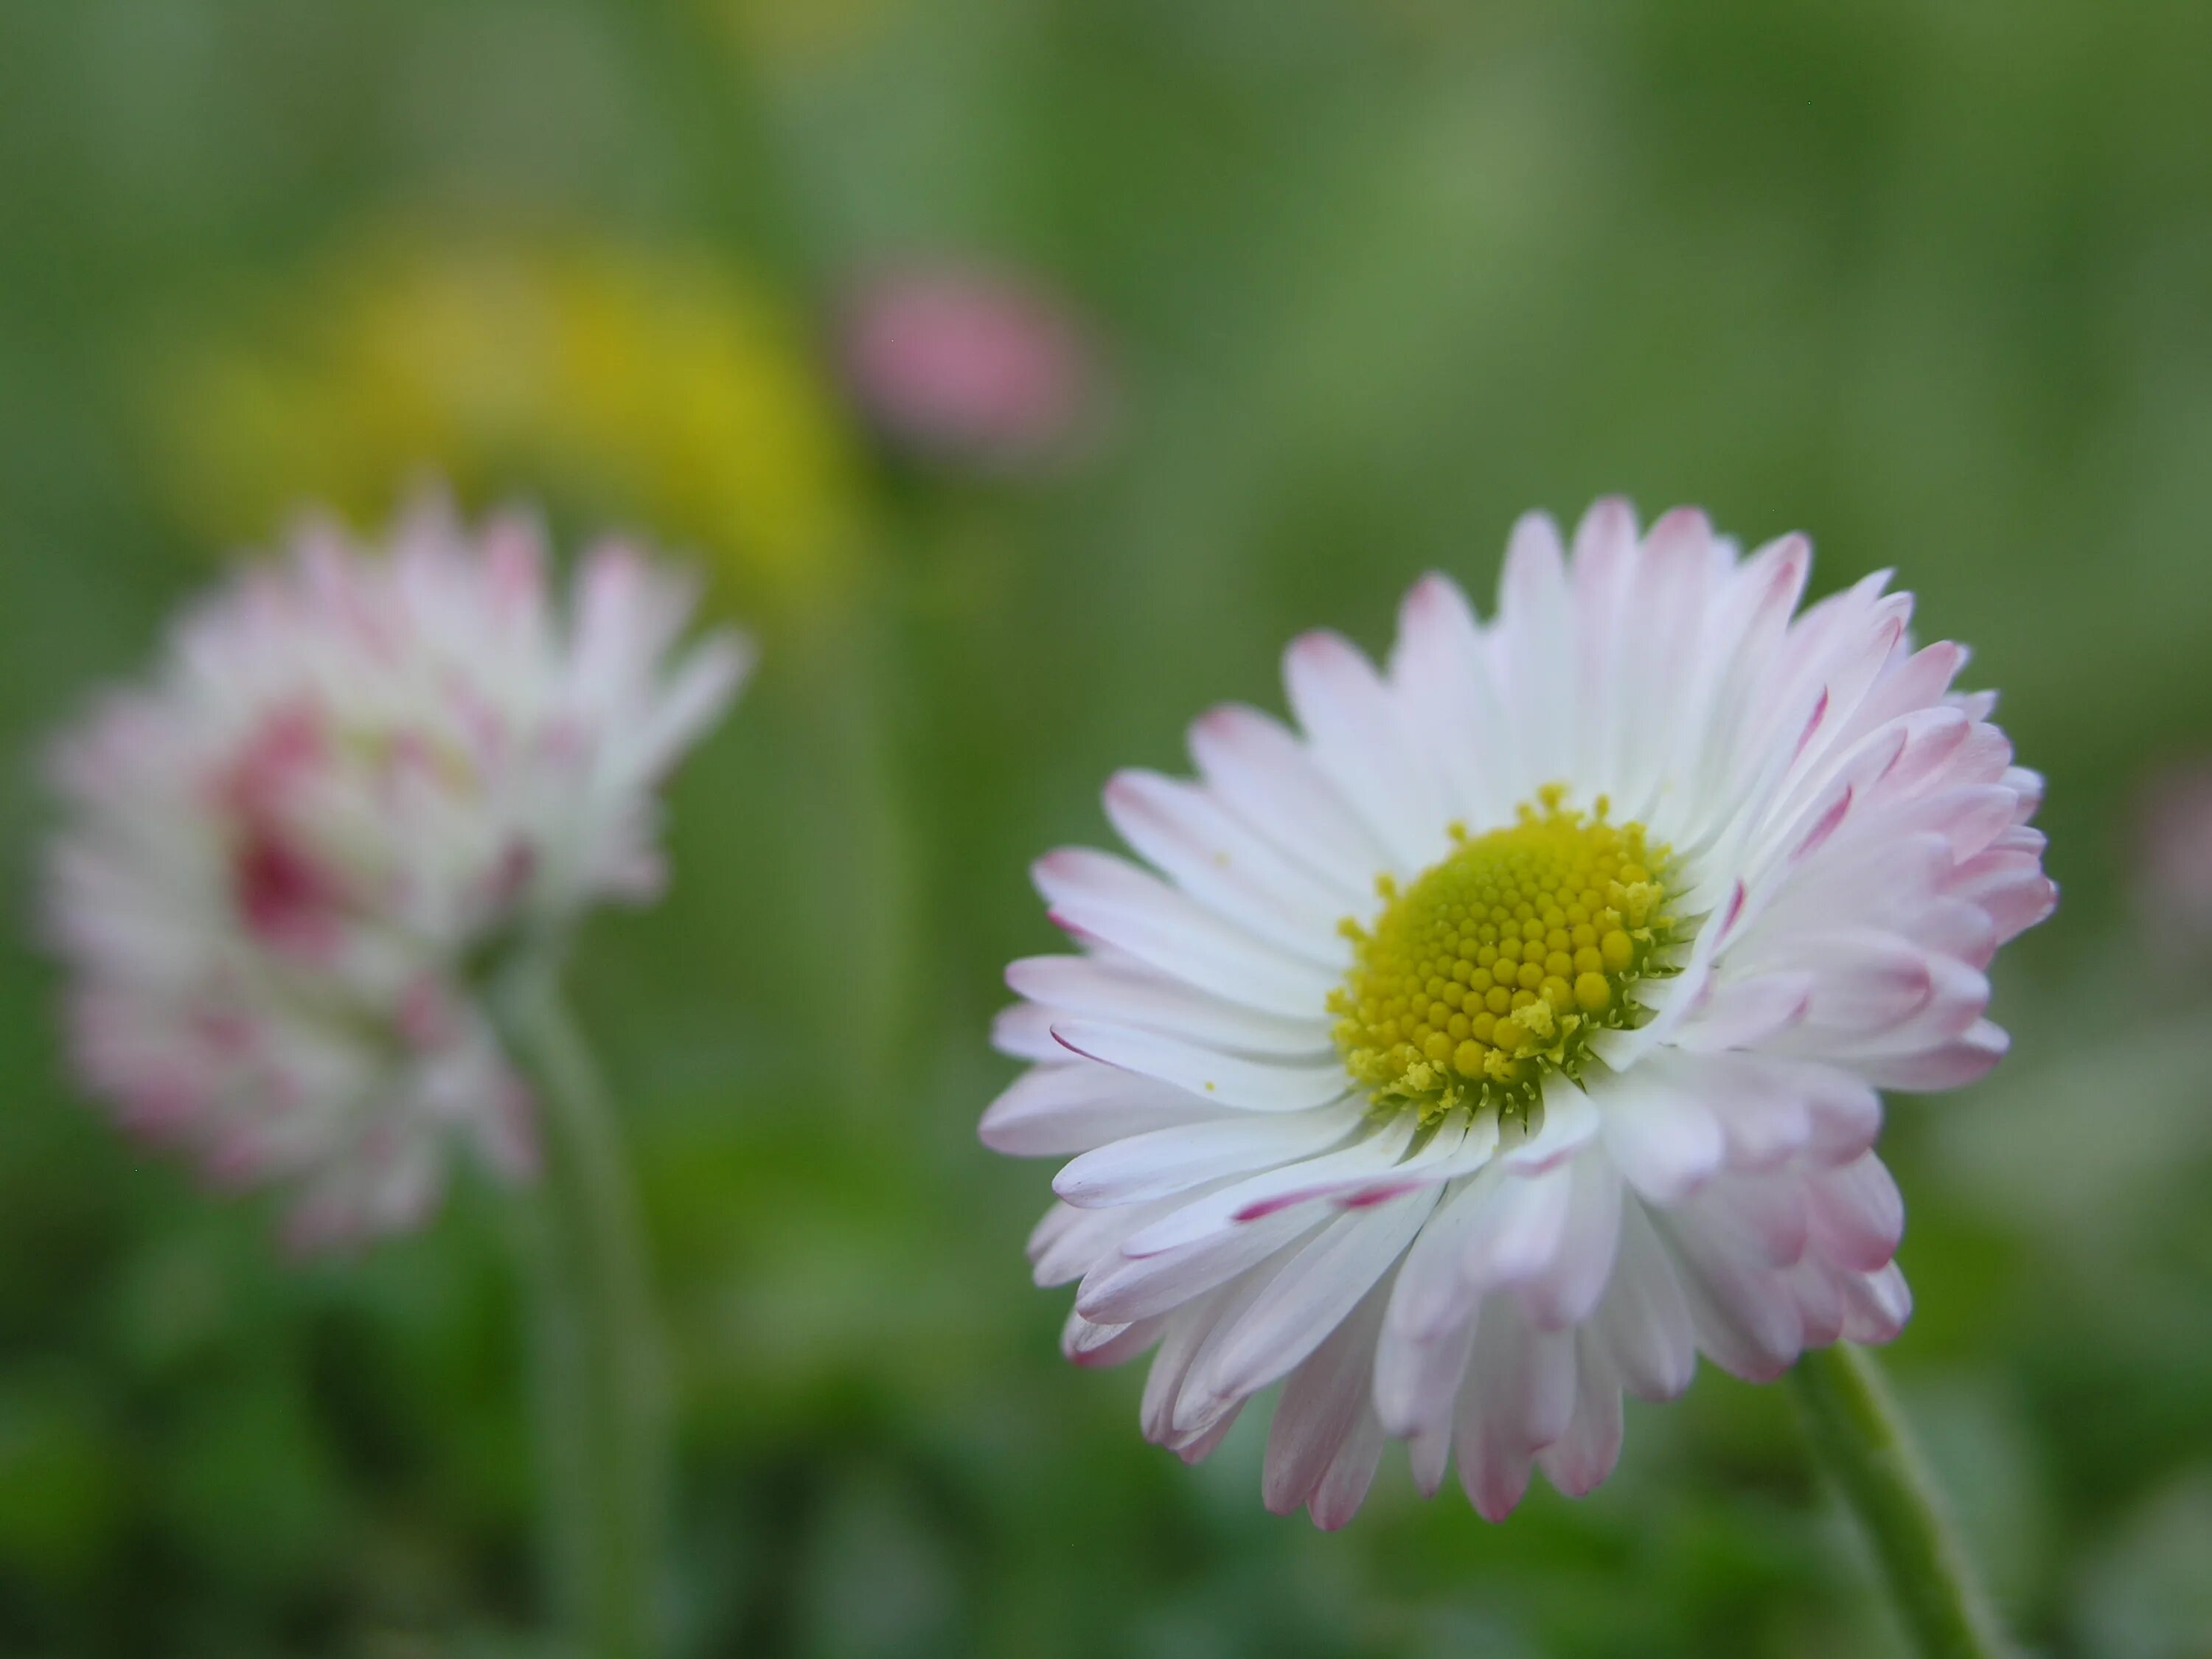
{"x": 1511, "y": 1034}
{"x": 355, "y": 781}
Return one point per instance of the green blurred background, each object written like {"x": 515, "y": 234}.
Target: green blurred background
{"x": 1362, "y": 282}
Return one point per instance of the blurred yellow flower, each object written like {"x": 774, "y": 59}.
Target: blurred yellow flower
{"x": 779, "y": 34}
{"x": 640, "y": 387}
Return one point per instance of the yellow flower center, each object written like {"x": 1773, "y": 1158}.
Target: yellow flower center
{"x": 1503, "y": 959}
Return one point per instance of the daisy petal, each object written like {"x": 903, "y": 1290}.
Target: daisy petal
{"x": 1102, "y": 1346}
{"x": 1180, "y": 829}
{"x": 1519, "y": 1399}
{"x": 1323, "y": 1407}
{"x": 1265, "y": 776}
{"x": 1051, "y": 1110}
{"x": 1351, "y": 1472}
{"x": 1359, "y": 743}
{"x": 1091, "y": 989}
{"x": 1857, "y": 1215}
{"x": 1108, "y": 899}
{"x": 1121, "y": 1288}
{"x": 1746, "y": 1319}
{"x": 1645, "y": 1319}
{"x": 1746, "y": 1013}
{"x": 1327, "y": 1277}
{"x": 1964, "y": 1060}
{"x": 1567, "y": 1291}
{"x": 1288, "y": 1187}
{"x": 1165, "y": 1162}
{"x": 1666, "y": 1141}
{"x": 1222, "y": 1079}
{"x": 1578, "y": 1461}
{"x": 1876, "y": 1306}
{"x": 1441, "y": 677}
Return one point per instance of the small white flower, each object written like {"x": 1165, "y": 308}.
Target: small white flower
{"x": 358, "y": 779}
{"x": 1511, "y": 1035}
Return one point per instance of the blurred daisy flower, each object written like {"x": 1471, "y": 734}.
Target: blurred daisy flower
{"x": 1510, "y": 1034}
{"x": 619, "y": 382}
{"x": 963, "y": 365}
{"x": 358, "y": 780}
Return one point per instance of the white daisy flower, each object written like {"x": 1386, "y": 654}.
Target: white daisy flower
{"x": 1510, "y": 1034}
{"x": 358, "y": 778}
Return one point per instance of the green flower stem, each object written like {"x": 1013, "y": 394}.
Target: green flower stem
{"x": 602, "y": 1422}
{"x": 1856, "y": 1431}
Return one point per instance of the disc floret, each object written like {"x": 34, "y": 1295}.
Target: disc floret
{"x": 1502, "y": 960}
